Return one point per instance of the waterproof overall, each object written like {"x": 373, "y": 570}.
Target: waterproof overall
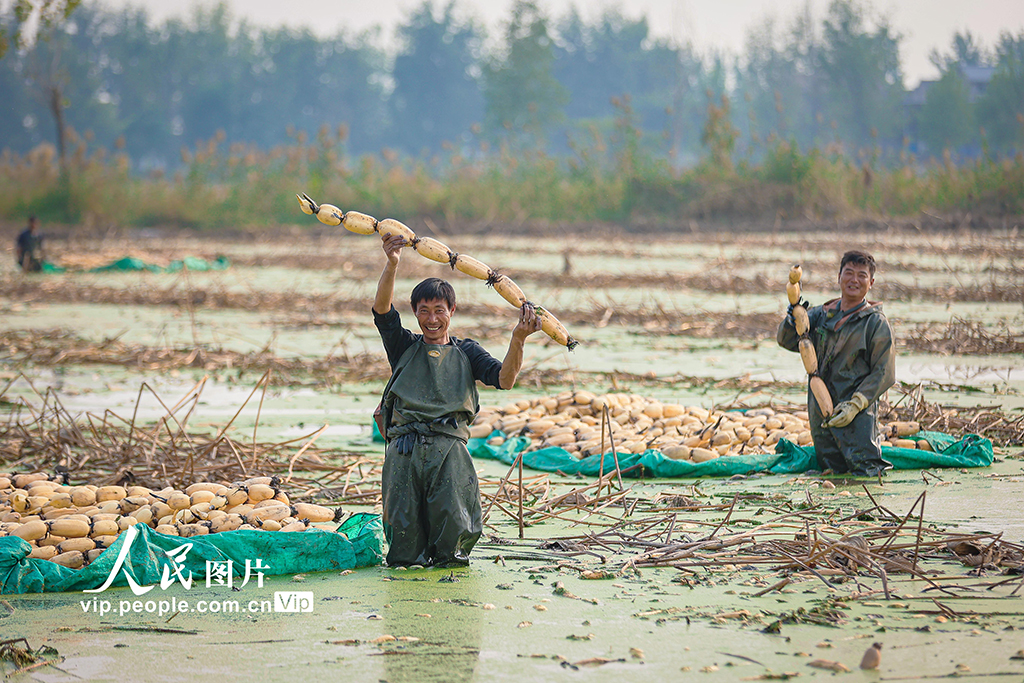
{"x": 432, "y": 512}
{"x": 855, "y": 354}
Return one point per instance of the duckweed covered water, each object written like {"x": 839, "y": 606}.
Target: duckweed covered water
{"x": 504, "y": 618}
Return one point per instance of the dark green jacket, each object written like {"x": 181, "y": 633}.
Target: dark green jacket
{"x": 855, "y": 350}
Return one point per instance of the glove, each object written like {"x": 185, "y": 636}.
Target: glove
{"x": 789, "y": 309}
{"x": 847, "y": 410}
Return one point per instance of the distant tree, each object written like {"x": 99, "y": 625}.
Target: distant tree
{"x": 255, "y": 84}
{"x": 862, "y": 76}
{"x": 165, "y": 87}
{"x": 965, "y": 51}
{"x": 1001, "y": 108}
{"x": 523, "y": 97}
{"x": 45, "y": 13}
{"x": 135, "y": 56}
{"x": 947, "y": 118}
{"x": 47, "y": 76}
{"x": 437, "y": 96}
{"x": 804, "y": 49}
{"x": 775, "y": 84}
{"x": 307, "y": 82}
{"x": 790, "y": 77}
{"x": 59, "y": 71}
{"x": 692, "y": 81}
{"x": 614, "y": 56}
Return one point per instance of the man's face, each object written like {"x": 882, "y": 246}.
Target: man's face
{"x": 434, "y": 316}
{"x": 855, "y": 280}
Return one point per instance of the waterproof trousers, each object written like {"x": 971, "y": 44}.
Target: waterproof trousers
{"x": 432, "y": 512}
{"x": 854, "y": 449}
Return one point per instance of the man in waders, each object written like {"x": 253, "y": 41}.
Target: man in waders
{"x": 28, "y": 249}
{"x": 854, "y": 346}
{"x": 432, "y": 514}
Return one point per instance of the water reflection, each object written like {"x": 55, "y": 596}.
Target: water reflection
{"x": 449, "y": 639}
{"x": 938, "y": 372}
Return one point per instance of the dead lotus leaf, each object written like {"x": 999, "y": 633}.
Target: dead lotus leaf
{"x": 740, "y": 614}
{"x": 596, "y": 661}
{"x": 829, "y": 665}
{"x": 964, "y": 548}
{"x": 594, "y": 574}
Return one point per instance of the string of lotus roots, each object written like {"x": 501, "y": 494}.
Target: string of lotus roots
{"x": 807, "y": 354}
{"x": 434, "y": 250}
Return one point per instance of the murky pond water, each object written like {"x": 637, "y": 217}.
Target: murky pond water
{"x": 505, "y": 618}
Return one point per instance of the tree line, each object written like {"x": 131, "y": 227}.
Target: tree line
{"x": 547, "y": 83}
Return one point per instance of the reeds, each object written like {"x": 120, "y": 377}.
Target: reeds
{"x": 41, "y": 435}
{"x": 218, "y": 185}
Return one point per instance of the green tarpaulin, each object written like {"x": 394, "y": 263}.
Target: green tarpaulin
{"x": 132, "y": 264}
{"x": 192, "y": 263}
{"x": 128, "y": 263}
{"x": 47, "y": 267}
{"x": 970, "y": 451}
{"x": 359, "y": 544}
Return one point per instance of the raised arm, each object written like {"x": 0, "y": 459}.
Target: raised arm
{"x": 513, "y": 363}
{"x": 392, "y": 247}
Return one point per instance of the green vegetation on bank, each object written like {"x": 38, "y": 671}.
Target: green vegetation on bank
{"x": 203, "y": 122}
{"x": 611, "y": 177}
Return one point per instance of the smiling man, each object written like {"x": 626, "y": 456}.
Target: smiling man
{"x": 431, "y": 495}
{"x": 854, "y": 345}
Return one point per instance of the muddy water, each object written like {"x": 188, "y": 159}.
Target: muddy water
{"x": 648, "y": 624}
{"x": 502, "y": 620}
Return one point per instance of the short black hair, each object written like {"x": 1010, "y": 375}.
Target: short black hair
{"x": 861, "y": 258}
{"x": 433, "y": 288}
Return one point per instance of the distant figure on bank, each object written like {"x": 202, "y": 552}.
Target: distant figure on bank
{"x": 857, "y": 361}
{"x": 29, "y": 248}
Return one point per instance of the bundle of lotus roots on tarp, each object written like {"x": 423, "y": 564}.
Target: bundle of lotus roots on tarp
{"x": 432, "y": 249}
{"x": 575, "y": 431}
{"x": 73, "y": 526}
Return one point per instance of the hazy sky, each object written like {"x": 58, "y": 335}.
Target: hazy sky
{"x": 708, "y": 24}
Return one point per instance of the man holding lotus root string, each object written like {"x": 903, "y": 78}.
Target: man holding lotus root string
{"x": 854, "y": 347}
{"x": 432, "y": 514}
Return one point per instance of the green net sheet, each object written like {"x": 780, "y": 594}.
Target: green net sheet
{"x": 970, "y": 451}
{"x": 357, "y": 543}
{"x": 132, "y": 264}
{"x": 192, "y": 263}
{"x": 47, "y": 267}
